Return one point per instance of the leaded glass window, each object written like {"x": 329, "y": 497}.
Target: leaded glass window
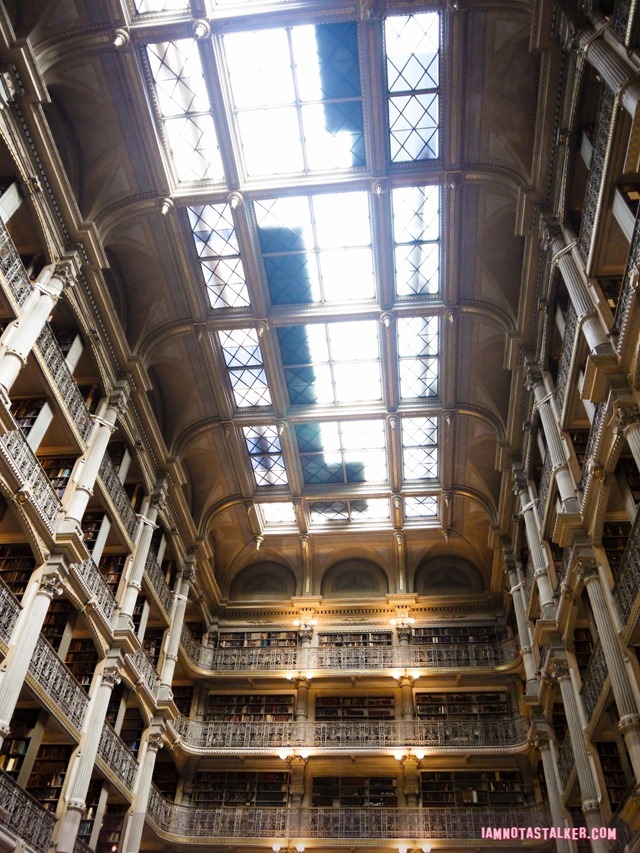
{"x": 216, "y": 243}
{"x": 342, "y": 452}
{"x": 420, "y": 507}
{"x": 281, "y": 514}
{"x": 418, "y": 356}
{"x": 416, "y": 236}
{"x": 265, "y": 453}
{"x": 143, "y": 7}
{"x": 243, "y": 358}
{"x": 420, "y": 448}
{"x": 349, "y": 511}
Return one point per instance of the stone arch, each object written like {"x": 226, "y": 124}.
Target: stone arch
{"x": 448, "y": 576}
{"x": 354, "y": 578}
{"x": 265, "y": 581}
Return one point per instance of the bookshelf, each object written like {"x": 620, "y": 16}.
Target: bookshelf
{"x": 559, "y": 722}
{"x": 111, "y": 567}
{"x": 212, "y": 789}
{"x": 579, "y": 440}
{"x": 92, "y": 801}
{"x": 47, "y": 775}
{"x": 462, "y": 706}
{"x": 356, "y": 639}
{"x": 91, "y": 524}
{"x": 152, "y": 643}
{"x": 257, "y": 639}
{"x": 277, "y": 707}
{"x": 458, "y": 634}
{"x": 25, "y": 412}
{"x": 631, "y": 476}
{"x": 165, "y": 777}
{"x": 135, "y": 493}
{"x": 183, "y": 698}
{"x": 615, "y": 536}
{"x": 132, "y": 729}
{"x": 56, "y": 620}
{"x": 16, "y": 566}
{"x": 613, "y": 772}
{"x": 115, "y": 700}
{"x": 138, "y": 610}
{"x": 91, "y": 396}
{"x": 14, "y": 747}
{"x": 81, "y": 660}
{"x": 497, "y": 788}
{"x": 354, "y": 708}
{"x": 582, "y": 648}
{"x": 58, "y": 469}
{"x": 354, "y": 791}
{"x": 111, "y": 828}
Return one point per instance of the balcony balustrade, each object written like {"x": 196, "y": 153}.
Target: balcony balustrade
{"x": 566, "y": 761}
{"x": 593, "y": 682}
{"x": 593, "y": 443}
{"x": 58, "y": 687}
{"x": 232, "y": 825}
{"x": 621, "y": 20}
{"x": 24, "y": 817}
{"x": 115, "y": 754}
{"x": 362, "y": 735}
{"x": 34, "y": 483}
{"x": 114, "y": 488}
{"x": 96, "y": 586}
{"x": 545, "y": 486}
{"x": 146, "y": 668}
{"x": 630, "y": 283}
{"x": 159, "y": 584}
{"x": 9, "y": 610}
{"x": 566, "y": 356}
{"x": 14, "y": 275}
{"x": 80, "y": 846}
{"x": 437, "y": 656}
{"x": 627, "y": 586}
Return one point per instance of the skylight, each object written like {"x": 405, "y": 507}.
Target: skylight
{"x": 420, "y": 448}
{"x": 185, "y": 111}
{"x": 265, "y": 453}
{"x": 418, "y": 356}
{"x": 342, "y": 452}
{"x": 420, "y": 507}
{"x": 316, "y": 248}
{"x": 349, "y": 512}
{"x": 216, "y": 243}
{"x": 416, "y": 235}
{"x": 281, "y": 514}
{"x": 246, "y": 370}
{"x": 296, "y": 97}
{"x": 413, "y": 57}
{"x": 331, "y": 363}
{"x": 145, "y": 6}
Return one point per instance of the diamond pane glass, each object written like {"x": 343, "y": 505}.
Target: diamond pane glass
{"x": 317, "y": 248}
{"x": 412, "y": 45}
{"x": 421, "y": 507}
{"x": 420, "y": 448}
{"x": 418, "y": 356}
{"x": 243, "y": 358}
{"x": 265, "y": 453}
{"x": 416, "y": 233}
{"x": 216, "y": 243}
{"x": 332, "y": 363}
{"x": 185, "y": 110}
{"x": 143, "y": 7}
{"x": 297, "y": 98}
{"x": 342, "y": 452}
{"x": 349, "y": 511}
{"x": 278, "y": 514}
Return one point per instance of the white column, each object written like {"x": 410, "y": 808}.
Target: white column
{"x": 82, "y": 763}
{"x": 545, "y": 593}
{"x": 181, "y": 596}
{"x": 628, "y": 425}
{"x": 22, "y": 645}
{"x": 20, "y": 336}
{"x": 519, "y": 607}
{"x": 555, "y": 802}
{"x": 135, "y": 818}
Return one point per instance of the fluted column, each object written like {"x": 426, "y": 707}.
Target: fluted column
{"x": 589, "y": 319}
{"x": 566, "y": 487}
{"x": 82, "y": 764}
{"x": 410, "y": 780}
{"x": 540, "y": 574}
{"x": 143, "y": 544}
{"x": 619, "y": 77}
{"x": 555, "y": 802}
{"x": 181, "y": 597}
{"x": 407, "y": 708}
{"x": 623, "y": 694}
{"x": 628, "y": 425}
{"x": 520, "y": 609}
{"x": 135, "y": 818}
{"x": 22, "y": 645}
{"x": 302, "y": 686}
{"x": 588, "y": 788}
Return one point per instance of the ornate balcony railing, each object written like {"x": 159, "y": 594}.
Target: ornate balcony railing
{"x": 146, "y": 668}
{"x": 12, "y": 268}
{"x": 593, "y": 442}
{"x": 627, "y": 586}
{"x": 437, "y": 656}
{"x": 566, "y": 356}
{"x": 565, "y": 568}
{"x": 154, "y": 573}
{"x": 58, "y": 684}
{"x": 119, "y": 497}
{"x": 363, "y": 735}
{"x": 35, "y": 483}
{"x": 605, "y": 124}
{"x": 24, "y": 816}
{"x": 113, "y": 751}
{"x": 621, "y": 19}
{"x": 63, "y": 381}
{"x": 593, "y": 682}
{"x": 630, "y": 284}
{"x": 335, "y": 823}
{"x": 79, "y": 846}
{"x": 545, "y": 484}
{"x": 565, "y": 760}
{"x": 9, "y": 610}
{"x": 96, "y": 586}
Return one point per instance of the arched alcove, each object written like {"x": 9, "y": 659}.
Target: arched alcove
{"x": 448, "y": 576}
{"x": 355, "y": 578}
{"x": 265, "y": 581}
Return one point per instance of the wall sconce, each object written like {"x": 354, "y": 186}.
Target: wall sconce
{"x": 288, "y": 847}
{"x": 401, "y": 755}
{"x": 405, "y": 848}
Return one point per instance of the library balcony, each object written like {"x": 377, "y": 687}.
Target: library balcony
{"x": 23, "y": 817}
{"x": 120, "y": 502}
{"x": 627, "y": 587}
{"x": 147, "y": 670}
{"x": 95, "y": 586}
{"x": 354, "y": 826}
{"x": 157, "y": 583}
{"x": 114, "y": 754}
{"x": 33, "y": 491}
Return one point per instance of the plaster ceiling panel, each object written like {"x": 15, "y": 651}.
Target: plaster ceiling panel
{"x": 475, "y": 458}
{"x": 500, "y": 74}
{"x": 211, "y": 479}
{"x": 481, "y": 376}
{"x": 43, "y": 18}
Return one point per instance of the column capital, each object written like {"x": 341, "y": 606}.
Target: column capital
{"x": 589, "y": 806}
{"x": 111, "y": 677}
{"x": 155, "y": 742}
{"x": 626, "y": 417}
{"x": 50, "y": 586}
{"x": 560, "y": 670}
{"x": 189, "y": 569}
{"x": 629, "y": 723}
{"x": 159, "y": 494}
{"x": 532, "y": 372}
{"x": 118, "y": 399}
{"x": 405, "y": 680}
{"x": 520, "y": 483}
{"x": 587, "y": 569}
{"x": 542, "y": 742}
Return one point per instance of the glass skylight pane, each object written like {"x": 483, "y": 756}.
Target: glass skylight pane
{"x": 412, "y": 45}
{"x": 265, "y": 453}
{"x": 278, "y": 514}
{"x": 216, "y": 243}
{"x": 345, "y": 512}
{"x": 322, "y": 512}
{"x": 297, "y": 98}
{"x": 369, "y": 509}
{"x": 342, "y": 452}
{"x": 418, "y": 356}
{"x": 246, "y": 371}
{"x": 416, "y": 232}
{"x": 317, "y": 248}
{"x": 425, "y": 507}
{"x": 143, "y": 7}
{"x": 420, "y": 448}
